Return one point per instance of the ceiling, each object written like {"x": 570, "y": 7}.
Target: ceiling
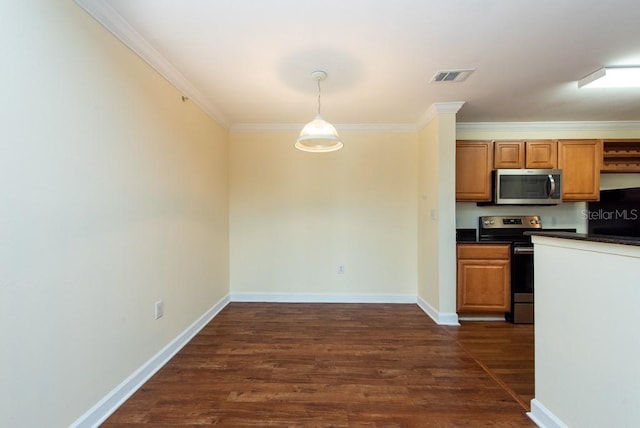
{"x": 250, "y": 61}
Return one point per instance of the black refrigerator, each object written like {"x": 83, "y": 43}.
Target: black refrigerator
{"x": 617, "y": 213}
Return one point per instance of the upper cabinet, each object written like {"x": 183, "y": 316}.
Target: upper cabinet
{"x": 508, "y": 154}
{"x": 541, "y": 154}
{"x": 580, "y": 161}
{"x": 474, "y": 161}
{"x": 530, "y": 154}
{"x": 621, "y": 155}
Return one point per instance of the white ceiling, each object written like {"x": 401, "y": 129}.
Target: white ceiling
{"x": 249, "y": 61}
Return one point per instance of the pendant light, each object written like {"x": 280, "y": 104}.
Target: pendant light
{"x": 319, "y": 136}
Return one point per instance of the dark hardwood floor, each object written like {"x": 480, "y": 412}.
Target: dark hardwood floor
{"x": 506, "y": 352}
{"x": 338, "y": 365}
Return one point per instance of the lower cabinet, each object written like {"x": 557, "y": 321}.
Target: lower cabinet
{"x": 484, "y": 278}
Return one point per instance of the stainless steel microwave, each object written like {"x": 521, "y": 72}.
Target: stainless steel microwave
{"x": 528, "y": 186}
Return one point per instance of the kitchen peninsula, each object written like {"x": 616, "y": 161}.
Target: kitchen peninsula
{"x": 586, "y": 352}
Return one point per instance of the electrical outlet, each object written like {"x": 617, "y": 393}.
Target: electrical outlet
{"x": 159, "y": 309}
{"x": 341, "y": 269}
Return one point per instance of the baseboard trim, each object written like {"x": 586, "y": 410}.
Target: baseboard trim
{"x": 114, "y": 399}
{"x": 322, "y": 298}
{"x": 543, "y": 417}
{"x": 443, "y": 318}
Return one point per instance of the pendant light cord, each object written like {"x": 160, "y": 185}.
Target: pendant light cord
{"x": 318, "y": 81}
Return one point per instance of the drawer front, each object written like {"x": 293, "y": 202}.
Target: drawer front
{"x": 484, "y": 251}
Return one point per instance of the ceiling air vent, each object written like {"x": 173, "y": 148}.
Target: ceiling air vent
{"x": 447, "y": 76}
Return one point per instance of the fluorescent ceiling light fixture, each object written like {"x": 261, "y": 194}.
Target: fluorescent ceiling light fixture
{"x": 319, "y": 136}
{"x": 612, "y": 77}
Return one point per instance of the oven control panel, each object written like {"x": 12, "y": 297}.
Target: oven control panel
{"x": 511, "y": 222}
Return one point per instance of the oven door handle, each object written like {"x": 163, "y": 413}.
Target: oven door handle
{"x": 523, "y": 250}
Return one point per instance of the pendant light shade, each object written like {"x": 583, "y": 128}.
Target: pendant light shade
{"x": 319, "y": 135}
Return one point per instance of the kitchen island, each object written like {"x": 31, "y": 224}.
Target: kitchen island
{"x": 587, "y": 316}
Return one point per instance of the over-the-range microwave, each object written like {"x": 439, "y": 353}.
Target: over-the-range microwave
{"x": 527, "y": 186}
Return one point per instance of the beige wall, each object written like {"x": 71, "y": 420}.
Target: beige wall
{"x": 446, "y": 216}
{"x": 436, "y": 218}
{"x": 428, "y": 234}
{"x": 114, "y": 195}
{"x": 296, "y": 216}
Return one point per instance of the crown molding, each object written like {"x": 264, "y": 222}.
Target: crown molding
{"x": 121, "y": 29}
{"x": 451, "y": 107}
{"x": 436, "y": 109}
{"x": 347, "y": 128}
{"x": 378, "y": 127}
{"x": 432, "y": 112}
{"x": 549, "y": 126}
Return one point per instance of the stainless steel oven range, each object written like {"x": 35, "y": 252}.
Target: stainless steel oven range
{"x": 511, "y": 229}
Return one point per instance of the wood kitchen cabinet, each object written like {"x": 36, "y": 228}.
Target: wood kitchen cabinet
{"x": 529, "y": 154}
{"x": 474, "y": 162}
{"x": 541, "y": 154}
{"x": 483, "y": 278}
{"x": 508, "y": 154}
{"x": 580, "y": 162}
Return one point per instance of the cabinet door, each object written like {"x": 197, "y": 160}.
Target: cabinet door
{"x": 508, "y": 154}
{"x": 580, "y": 161}
{"x": 541, "y": 154}
{"x": 474, "y": 160}
{"x": 484, "y": 286}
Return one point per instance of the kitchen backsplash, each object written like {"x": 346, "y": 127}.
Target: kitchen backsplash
{"x": 619, "y": 181}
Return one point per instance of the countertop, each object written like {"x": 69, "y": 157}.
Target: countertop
{"x": 607, "y": 239}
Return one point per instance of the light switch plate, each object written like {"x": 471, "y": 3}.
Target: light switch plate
{"x": 159, "y": 309}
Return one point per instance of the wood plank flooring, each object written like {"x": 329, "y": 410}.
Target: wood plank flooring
{"x": 328, "y": 365}
{"x": 505, "y": 350}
